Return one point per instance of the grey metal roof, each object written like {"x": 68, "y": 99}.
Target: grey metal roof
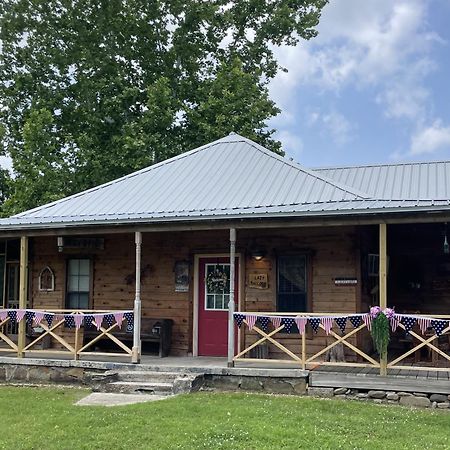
{"x": 408, "y": 181}
{"x": 232, "y": 177}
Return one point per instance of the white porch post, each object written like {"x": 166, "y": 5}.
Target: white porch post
{"x": 136, "y": 350}
{"x": 23, "y": 292}
{"x": 231, "y": 302}
{"x": 383, "y": 283}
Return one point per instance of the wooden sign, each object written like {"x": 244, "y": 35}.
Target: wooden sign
{"x": 258, "y": 281}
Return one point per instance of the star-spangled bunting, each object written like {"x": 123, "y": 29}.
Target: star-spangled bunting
{"x": 69, "y": 321}
{"x": 109, "y": 319}
{"x": 356, "y": 321}
{"x": 263, "y": 323}
{"x": 439, "y": 326}
{"x": 424, "y": 324}
{"x": 341, "y": 322}
{"x": 367, "y": 319}
{"x": 301, "y": 324}
{"x": 49, "y": 318}
{"x": 12, "y": 314}
{"x": 29, "y": 316}
{"x": 288, "y": 323}
{"x": 239, "y": 318}
{"x": 276, "y": 321}
{"x": 327, "y": 323}
{"x": 128, "y": 316}
{"x": 408, "y": 322}
{"x": 315, "y": 323}
{"x": 88, "y": 319}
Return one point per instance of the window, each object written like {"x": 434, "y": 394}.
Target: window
{"x": 217, "y": 286}
{"x": 78, "y": 283}
{"x": 292, "y": 283}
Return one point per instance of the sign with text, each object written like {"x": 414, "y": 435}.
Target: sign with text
{"x": 258, "y": 281}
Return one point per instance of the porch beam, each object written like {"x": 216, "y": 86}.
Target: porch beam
{"x": 383, "y": 283}
{"x": 231, "y": 305}
{"x": 23, "y": 292}
{"x": 136, "y": 350}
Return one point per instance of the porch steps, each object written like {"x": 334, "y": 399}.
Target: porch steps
{"x": 150, "y": 382}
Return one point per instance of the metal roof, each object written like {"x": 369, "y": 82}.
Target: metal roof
{"x": 232, "y": 177}
{"x": 409, "y": 181}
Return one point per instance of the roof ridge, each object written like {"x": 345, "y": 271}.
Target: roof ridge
{"x": 295, "y": 165}
{"x": 360, "y": 166}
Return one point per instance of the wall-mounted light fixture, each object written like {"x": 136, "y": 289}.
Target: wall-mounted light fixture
{"x": 60, "y": 243}
{"x": 258, "y": 253}
{"x": 446, "y": 246}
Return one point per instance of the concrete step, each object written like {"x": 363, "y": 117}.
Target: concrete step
{"x": 140, "y": 387}
{"x": 146, "y": 376}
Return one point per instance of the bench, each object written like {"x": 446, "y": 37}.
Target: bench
{"x": 152, "y": 330}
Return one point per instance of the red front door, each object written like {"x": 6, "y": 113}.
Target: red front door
{"x": 213, "y": 298}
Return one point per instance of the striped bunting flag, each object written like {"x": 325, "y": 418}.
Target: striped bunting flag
{"x": 263, "y": 322}
{"x": 20, "y": 314}
{"x": 251, "y": 320}
{"x": 288, "y": 323}
{"x": 327, "y": 323}
{"x": 424, "y": 324}
{"x": 78, "y": 319}
{"x": 439, "y": 326}
{"x": 276, "y": 321}
{"x": 3, "y": 314}
{"x": 239, "y": 319}
{"x": 98, "y": 319}
{"x": 394, "y": 321}
{"x": 315, "y": 323}
{"x": 38, "y": 316}
{"x": 367, "y": 319}
{"x": 301, "y": 324}
{"x": 341, "y": 323}
{"x": 118, "y": 316}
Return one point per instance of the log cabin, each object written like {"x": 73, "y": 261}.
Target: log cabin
{"x": 226, "y": 229}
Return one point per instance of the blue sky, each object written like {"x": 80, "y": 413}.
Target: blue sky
{"x": 373, "y": 87}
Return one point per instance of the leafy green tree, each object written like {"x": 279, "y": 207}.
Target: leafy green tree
{"x": 92, "y": 90}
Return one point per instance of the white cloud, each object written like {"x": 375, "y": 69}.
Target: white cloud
{"x": 431, "y": 139}
{"x": 340, "y": 129}
{"x": 292, "y": 144}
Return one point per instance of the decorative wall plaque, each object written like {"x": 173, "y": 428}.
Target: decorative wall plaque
{"x": 46, "y": 280}
{"x": 258, "y": 281}
{"x": 345, "y": 281}
{"x": 181, "y": 270}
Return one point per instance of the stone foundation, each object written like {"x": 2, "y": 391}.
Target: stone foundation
{"x": 412, "y": 399}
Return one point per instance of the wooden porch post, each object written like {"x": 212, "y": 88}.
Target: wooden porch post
{"x": 136, "y": 350}
{"x": 231, "y": 302}
{"x": 23, "y": 292}
{"x": 383, "y": 284}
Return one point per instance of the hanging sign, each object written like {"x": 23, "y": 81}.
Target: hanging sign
{"x": 258, "y": 281}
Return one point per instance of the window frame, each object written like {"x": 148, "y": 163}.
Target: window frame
{"x": 91, "y": 281}
{"x": 308, "y": 280}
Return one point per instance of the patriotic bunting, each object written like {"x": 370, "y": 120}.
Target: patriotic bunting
{"x": 439, "y": 326}
{"x": 239, "y": 318}
{"x": 263, "y": 322}
{"x": 29, "y": 316}
{"x": 3, "y": 314}
{"x": 98, "y": 319}
{"x": 276, "y": 322}
{"x": 356, "y": 321}
{"x": 341, "y": 323}
{"x": 88, "y": 319}
{"x": 38, "y": 317}
{"x": 424, "y": 324}
{"x": 315, "y": 323}
{"x": 109, "y": 319}
{"x": 288, "y": 323}
{"x": 408, "y": 322}
{"x": 69, "y": 321}
{"x": 301, "y": 324}
{"x": 12, "y": 315}
{"x": 78, "y": 320}
{"x": 367, "y": 319}
{"x": 118, "y": 316}
{"x": 327, "y": 323}
{"x": 251, "y": 320}
{"x": 20, "y": 314}
{"x": 394, "y": 321}
{"x": 129, "y": 317}
{"x": 49, "y": 319}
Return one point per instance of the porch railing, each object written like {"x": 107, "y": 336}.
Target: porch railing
{"x": 344, "y": 330}
{"x": 67, "y": 329}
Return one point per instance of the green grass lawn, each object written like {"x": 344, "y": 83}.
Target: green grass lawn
{"x": 46, "y": 418}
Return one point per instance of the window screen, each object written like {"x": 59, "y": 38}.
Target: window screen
{"x": 292, "y": 283}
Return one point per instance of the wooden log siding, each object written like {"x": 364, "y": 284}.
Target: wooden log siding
{"x": 333, "y": 254}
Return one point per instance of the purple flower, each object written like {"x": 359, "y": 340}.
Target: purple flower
{"x": 375, "y": 311}
{"x": 389, "y": 313}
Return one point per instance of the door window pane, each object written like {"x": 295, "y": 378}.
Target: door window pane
{"x": 217, "y": 286}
